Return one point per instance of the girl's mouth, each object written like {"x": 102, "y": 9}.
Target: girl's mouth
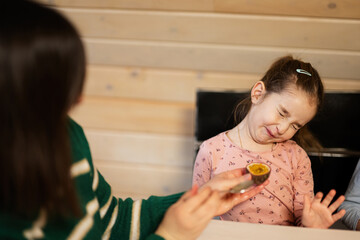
{"x": 269, "y": 132}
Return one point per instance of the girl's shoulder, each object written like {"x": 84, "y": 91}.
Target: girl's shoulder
{"x": 290, "y": 146}
{"x": 294, "y": 152}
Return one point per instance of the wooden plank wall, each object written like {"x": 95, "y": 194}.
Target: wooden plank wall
{"x": 147, "y": 58}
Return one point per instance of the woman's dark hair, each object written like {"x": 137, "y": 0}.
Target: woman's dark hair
{"x": 42, "y": 71}
{"x": 282, "y": 74}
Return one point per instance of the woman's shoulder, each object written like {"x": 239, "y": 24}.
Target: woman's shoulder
{"x": 79, "y": 144}
{"x": 76, "y": 132}
{"x": 74, "y": 125}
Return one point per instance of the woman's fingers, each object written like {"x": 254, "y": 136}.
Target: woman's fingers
{"x": 232, "y": 182}
{"x": 235, "y": 173}
{"x": 209, "y": 207}
{"x": 224, "y": 181}
{"x": 187, "y": 194}
{"x": 193, "y": 202}
{"x": 203, "y": 205}
{"x": 241, "y": 197}
{"x": 194, "y": 190}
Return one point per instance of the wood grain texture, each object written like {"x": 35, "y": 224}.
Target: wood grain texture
{"x": 323, "y": 8}
{"x": 233, "y": 29}
{"x": 141, "y": 148}
{"x": 176, "y": 85}
{"x": 215, "y": 57}
{"x": 310, "y": 8}
{"x": 142, "y": 179}
{"x": 160, "y": 84}
{"x": 136, "y": 115}
{"x": 170, "y": 5}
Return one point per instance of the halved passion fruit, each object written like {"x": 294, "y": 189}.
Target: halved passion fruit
{"x": 259, "y": 172}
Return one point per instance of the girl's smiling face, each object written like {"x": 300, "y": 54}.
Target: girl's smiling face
{"x": 276, "y": 117}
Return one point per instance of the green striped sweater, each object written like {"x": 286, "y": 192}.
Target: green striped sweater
{"x": 106, "y": 217}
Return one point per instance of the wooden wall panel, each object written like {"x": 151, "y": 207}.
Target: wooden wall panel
{"x": 168, "y": 5}
{"x": 213, "y": 57}
{"x": 323, "y": 8}
{"x": 160, "y": 84}
{"x": 136, "y": 115}
{"x": 176, "y": 85}
{"x": 253, "y": 30}
{"x": 144, "y": 180}
{"x": 319, "y": 8}
{"x": 152, "y": 149}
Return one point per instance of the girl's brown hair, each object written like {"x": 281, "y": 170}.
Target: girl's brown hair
{"x": 42, "y": 70}
{"x": 283, "y": 73}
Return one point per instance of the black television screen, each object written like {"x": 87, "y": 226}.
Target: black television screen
{"x": 335, "y": 125}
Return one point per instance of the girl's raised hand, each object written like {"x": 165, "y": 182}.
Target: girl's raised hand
{"x": 318, "y": 214}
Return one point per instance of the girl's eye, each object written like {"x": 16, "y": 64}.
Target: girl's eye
{"x": 282, "y": 115}
{"x": 295, "y": 127}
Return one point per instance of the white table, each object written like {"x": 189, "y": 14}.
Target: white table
{"x": 226, "y": 230}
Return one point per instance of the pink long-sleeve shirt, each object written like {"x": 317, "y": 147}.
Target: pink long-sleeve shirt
{"x": 281, "y": 202}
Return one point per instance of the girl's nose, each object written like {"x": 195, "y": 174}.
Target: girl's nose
{"x": 282, "y": 128}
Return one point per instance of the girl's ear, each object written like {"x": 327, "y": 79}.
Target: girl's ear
{"x": 258, "y": 92}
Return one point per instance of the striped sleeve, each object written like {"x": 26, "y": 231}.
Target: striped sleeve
{"x": 114, "y": 213}
{"x": 152, "y": 213}
{"x": 128, "y": 219}
{"x": 120, "y": 219}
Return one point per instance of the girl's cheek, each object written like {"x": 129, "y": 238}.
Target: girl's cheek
{"x": 290, "y": 135}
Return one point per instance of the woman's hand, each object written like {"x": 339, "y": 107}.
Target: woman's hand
{"x": 223, "y": 182}
{"x": 189, "y": 216}
{"x": 318, "y": 214}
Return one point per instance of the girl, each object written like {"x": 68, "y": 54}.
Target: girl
{"x": 280, "y": 105}
{"x": 49, "y": 186}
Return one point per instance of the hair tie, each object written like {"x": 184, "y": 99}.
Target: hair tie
{"x": 303, "y": 72}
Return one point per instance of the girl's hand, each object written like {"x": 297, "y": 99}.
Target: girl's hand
{"x": 318, "y": 214}
{"x": 189, "y": 216}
